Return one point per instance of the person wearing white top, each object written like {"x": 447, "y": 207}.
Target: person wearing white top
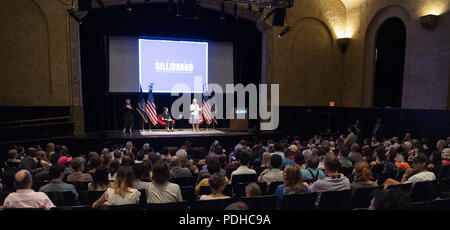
{"x": 244, "y": 160}
{"x": 417, "y": 173}
{"x": 123, "y": 192}
{"x": 196, "y": 111}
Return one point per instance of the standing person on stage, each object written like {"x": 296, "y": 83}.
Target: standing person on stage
{"x": 195, "y": 115}
{"x": 128, "y": 116}
{"x": 166, "y": 117}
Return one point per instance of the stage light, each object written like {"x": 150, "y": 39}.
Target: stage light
{"x": 284, "y": 32}
{"x": 429, "y": 22}
{"x": 222, "y": 10}
{"x": 343, "y": 43}
{"x": 235, "y": 11}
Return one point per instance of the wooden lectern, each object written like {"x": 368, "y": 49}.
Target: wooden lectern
{"x": 239, "y": 122}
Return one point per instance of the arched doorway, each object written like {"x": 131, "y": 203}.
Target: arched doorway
{"x": 390, "y": 62}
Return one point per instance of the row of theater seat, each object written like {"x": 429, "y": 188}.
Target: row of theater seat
{"x": 423, "y": 195}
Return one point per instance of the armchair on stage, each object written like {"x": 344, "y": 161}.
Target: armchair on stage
{"x": 162, "y": 123}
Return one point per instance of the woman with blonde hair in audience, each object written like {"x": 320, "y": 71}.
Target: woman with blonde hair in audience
{"x": 217, "y": 183}
{"x": 123, "y": 191}
{"x": 363, "y": 176}
{"x": 128, "y": 147}
{"x": 252, "y": 190}
{"x": 50, "y": 148}
{"x": 293, "y": 182}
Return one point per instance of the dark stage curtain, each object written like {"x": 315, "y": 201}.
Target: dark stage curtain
{"x": 102, "y": 110}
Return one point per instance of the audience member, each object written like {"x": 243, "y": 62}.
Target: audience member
{"x": 244, "y": 165}
{"x": 176, "y": 171}
{"x": 56, "y": 174}
{"x": 78, "y": 175}
{"x": 312, "y": 173}
{"x": 100, "y": 180}
{"x": 273, "y": 174}
{"x": 363, "y": 176}
{"x": 217, "y": 183}
{"x": 160, "y": 190}
{"x": 333, "y": 181}
{"x": 25, "y": 197}
{"x": 123, "y": 192}
{"x": 252, "y": 190}
{"x": 293, "y": 183}
{"x": 417, "y": 173}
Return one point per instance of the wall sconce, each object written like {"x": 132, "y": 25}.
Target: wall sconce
{"x": 429, "y": 21}
{"x": 343, "y": 43}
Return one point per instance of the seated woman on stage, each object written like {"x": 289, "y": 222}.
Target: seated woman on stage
{"x": 195, "y": 115}
{"x": 167, "y": 118}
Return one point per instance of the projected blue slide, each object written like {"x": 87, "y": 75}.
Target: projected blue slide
{"x": 173, "y": 65}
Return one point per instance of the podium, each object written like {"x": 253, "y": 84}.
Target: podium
{"x": 239, "y": 122}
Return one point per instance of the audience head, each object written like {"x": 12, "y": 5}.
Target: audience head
{"x": 161, "y": 173}
{"x": 217, "y": 182}
{"x": 50, "y": 148}
{"x": 313, "y": 161}
{"x": 446, "y": 154}
{"x": 114, "y": 166}
{"x": 363, "y": 172}
{"x": 299, "y": 159}
{"x": 117, "y": 154}
{"x": 23, "y": 179}
{"x": 56, "y": 172}
{"x": 181, "y": 153}
{"x": 125, "y": 180}
{"x": 420, "y": 163}
{"x": 275, "y": 161}
{"x": 12, "y": 154}
{"x": 266, "y": 159}
{"x": 100, "y": 177}
{"x": 140, "y": 156}
{"x": 331, "y": 163}
{"x": 237, "y": 206}
{"x": 252, "y": 190}
{"x": 77, "y": 164}
{"x": 380, "y": 153}
{"x": 213, "y": 165}
{"x": 293, "y": 178}
{"x": 278, "y": 147}
{"x": 355, "y": 147}
{"x": 127, "y": 161}
{"x": 344, "y": 151}
{"x": 244, "y": 158}
{"x": 441, "y": 144}
{"x": 175, "y": 162}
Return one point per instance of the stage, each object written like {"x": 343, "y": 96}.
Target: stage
{"x": 158, "y": 138}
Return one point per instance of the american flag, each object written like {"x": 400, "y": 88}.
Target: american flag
{"x": 207, "y": 110}
{"x": 150, "y": 107}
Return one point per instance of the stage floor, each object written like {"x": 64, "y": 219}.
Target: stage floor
{"x": 177, "y": 133}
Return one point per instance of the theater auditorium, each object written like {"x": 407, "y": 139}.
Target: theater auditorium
{"x": 194, "y": 105}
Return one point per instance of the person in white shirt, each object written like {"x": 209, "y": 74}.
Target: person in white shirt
{"x": 273, "y": 174}
{"x": 417, "y": 173}
{"x": 123, "y": 192}
{"x": 244, "y": 160}
{"x": 195, "y": 115}
{"x": 25, "y": 197}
